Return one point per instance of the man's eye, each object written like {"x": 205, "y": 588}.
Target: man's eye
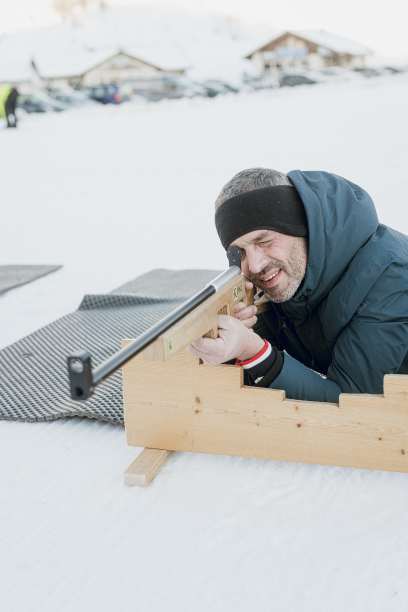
{"x": 242, "y": 253}
{"x": 265, "y": 243}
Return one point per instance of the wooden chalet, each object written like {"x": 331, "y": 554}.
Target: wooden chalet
{"x": 90, "y": 70}
{"x": 307, "y": 50}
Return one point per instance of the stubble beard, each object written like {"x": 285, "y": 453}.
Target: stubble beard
{"x": 294, "y": 272}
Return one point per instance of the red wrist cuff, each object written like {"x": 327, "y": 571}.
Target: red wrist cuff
{"x": 257, "y": 358}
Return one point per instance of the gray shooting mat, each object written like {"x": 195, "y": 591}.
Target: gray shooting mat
{"x": 34, "y": 381}
{"x": 15, "y": 276}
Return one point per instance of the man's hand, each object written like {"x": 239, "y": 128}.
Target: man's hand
{"x": 235, "y": 341}
{"x": 245, "y": 313}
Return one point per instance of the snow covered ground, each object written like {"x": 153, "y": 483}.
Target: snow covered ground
{"x": 111, "y": 193}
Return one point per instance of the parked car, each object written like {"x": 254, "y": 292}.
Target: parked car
{"x": 214, "y": 87}
{"x": 31, "y": 104}
{"x": 183, "y": 87}
{"x": 393, "y": 69}
{"x": 340, "y": 73}
{"x": 104, "y": 94}
{"x": 292, "y": 80}
{"x": 169, "y": 88}
{"x": 368, "y": 72}
{"x": 258, "y": 83}
{"x": 155, "y": 95}
{"x": 39, "y": 102}
{"x": 69, "y": 97}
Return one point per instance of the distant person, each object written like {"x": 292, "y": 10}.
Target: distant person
{"x": 8, "y": 104}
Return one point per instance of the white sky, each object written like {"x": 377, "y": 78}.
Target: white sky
{"x": 380, "y": 25}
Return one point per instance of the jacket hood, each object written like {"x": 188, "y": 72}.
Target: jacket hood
{"x": 341, "y": 217}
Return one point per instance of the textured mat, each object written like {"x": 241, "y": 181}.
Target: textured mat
{"x": 34, "y": 383}
{"x": 165, "y": 284}
{"x": 15, "y": 276}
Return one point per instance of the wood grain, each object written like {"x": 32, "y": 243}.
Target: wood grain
{"x": 145, "y": 467}
{"x": 182, "y": 405}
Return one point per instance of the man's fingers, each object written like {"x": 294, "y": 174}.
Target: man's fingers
{"x": 209, "y": 349}
{"x": 245, "y": 312}
{"x": 206, "y": 345}
{"x": 203, "y": 356}
{"x": 250, "y": 322}
{"x": 226, "y": 322}
{"x": 238, "y": 307}
{"x": 241, "y": 305}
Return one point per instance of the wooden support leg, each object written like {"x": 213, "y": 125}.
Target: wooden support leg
{"x": 145, "y": 467}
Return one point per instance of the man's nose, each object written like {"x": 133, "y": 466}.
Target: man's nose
{"x": 256, "y": 260}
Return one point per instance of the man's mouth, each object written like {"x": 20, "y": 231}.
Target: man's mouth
{"x": 272, "y": 278}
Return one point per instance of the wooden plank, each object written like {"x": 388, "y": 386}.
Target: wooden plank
{"x": 182, "y": 405}
{"x": 145, "y": 467}
{"x": 200, "y": 322}
{"x": 395, "y": 383}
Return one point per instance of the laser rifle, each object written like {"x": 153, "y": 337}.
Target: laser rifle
{"x": 194, "y": 318}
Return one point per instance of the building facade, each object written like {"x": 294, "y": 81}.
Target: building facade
{"x": 312, "y": 50}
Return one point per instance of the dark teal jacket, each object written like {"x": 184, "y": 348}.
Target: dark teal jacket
{"x": 348, "y": 320}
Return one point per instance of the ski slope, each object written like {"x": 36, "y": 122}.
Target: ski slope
{"x": 111, "y": 193}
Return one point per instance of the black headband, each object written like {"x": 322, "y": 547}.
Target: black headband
{"x": 276, "y": 208}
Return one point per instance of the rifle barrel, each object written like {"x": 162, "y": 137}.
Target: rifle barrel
{"x": 83, "y": 379}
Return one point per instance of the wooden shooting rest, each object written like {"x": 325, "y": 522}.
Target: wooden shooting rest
{"x": 173, "y": 402}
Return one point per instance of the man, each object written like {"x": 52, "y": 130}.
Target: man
{"x": 335, "y": 278}
{"x": 8, "y": 104}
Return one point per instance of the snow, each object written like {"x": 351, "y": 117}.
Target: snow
{"x": 334, "y": 42}
{"x": 210, "y": 45}
{"x": 111, "y": 193}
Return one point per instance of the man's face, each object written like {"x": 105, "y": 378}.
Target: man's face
{"x": 274, "y": 262}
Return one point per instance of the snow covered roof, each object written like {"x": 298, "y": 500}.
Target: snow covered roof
{"x": 327, "y": 40}
{"x": 171, "y": 60}
{"x": 84, "y": 60}
{"x": 66, "y": 65}
{"x": 334, "y": 42}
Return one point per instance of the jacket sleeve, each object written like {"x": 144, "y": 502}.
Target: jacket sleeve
{"x": 300, "y": 382}
{"x": 370, "y": 346}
